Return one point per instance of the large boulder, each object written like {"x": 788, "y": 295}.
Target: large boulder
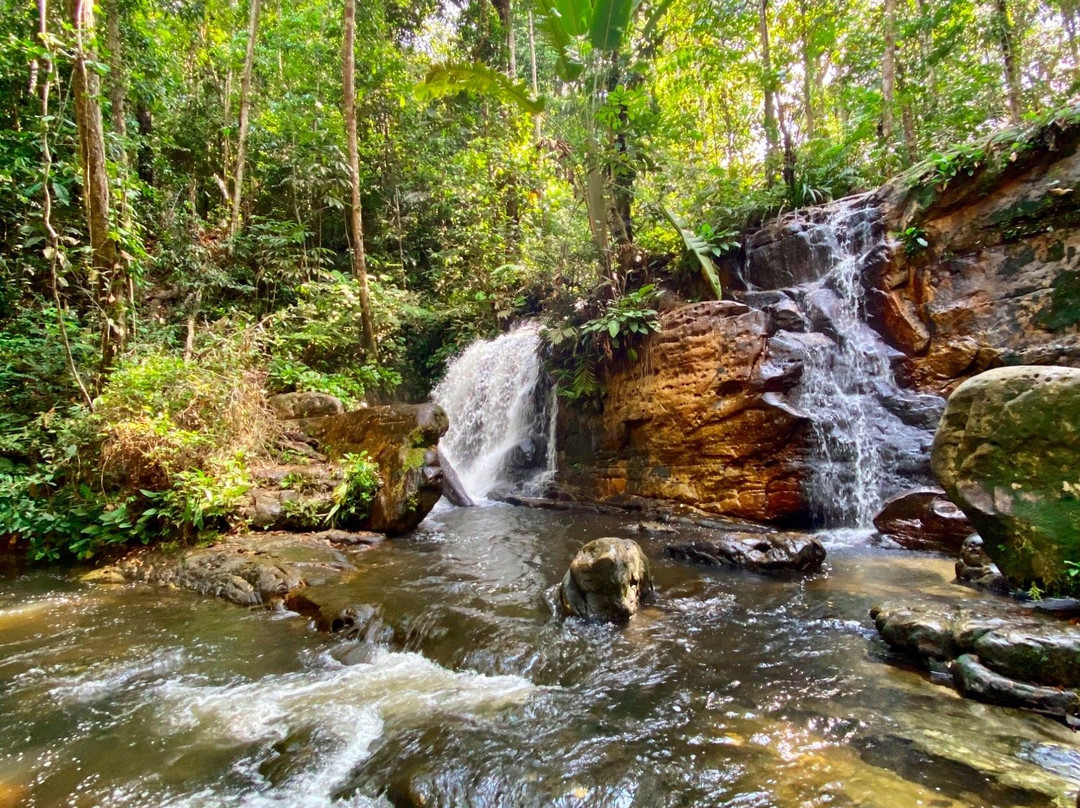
{"x": 1007, "y": 452}
{"x": 401, "y": 439}
{"x": 758, "y": 552}
{"x": 607, "y": 580}
{"x": 921, "y": 519}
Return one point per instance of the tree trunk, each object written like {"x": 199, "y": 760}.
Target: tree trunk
{"x": 888, "y": 76}
{"x": 1010, "y": 52}
{"x": 809, "y": 71}
{"x": 245, "y": 110}
{"x": 108, "y": 277}
{"x": 356, "y": 214}
{"x": 145, "y": 158}
{"x": 117, "y": 78}
{"x": 537, "y": 131}
{"x": 511, "y": 44}
{"x": 772, "y": 129}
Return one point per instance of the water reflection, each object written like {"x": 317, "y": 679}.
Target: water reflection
{"x": 464, "y": 690}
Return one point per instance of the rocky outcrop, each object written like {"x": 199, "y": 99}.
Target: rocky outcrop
{"x": 757, "y": 552}
{"x": 402, "y": 440}
{"x": 975, "y": 569}
{"x": 290, "y": 406}
{"x": 699, "y": 419}
{"x": 994, "y": 653}
{"x": 607, "y": 580}
{"x": 922, "y": 519}
{"x": 267, "y": 569}
{"x": 1008, "y": 453}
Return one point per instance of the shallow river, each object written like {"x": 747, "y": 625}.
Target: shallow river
{"x": 730, "y": 690}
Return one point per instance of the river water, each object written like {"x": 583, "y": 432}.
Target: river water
{"x": 730, "y": 690}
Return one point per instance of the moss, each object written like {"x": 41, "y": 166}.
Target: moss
{"x": 1064, "y": 308}
{"x": 414, "y": 458}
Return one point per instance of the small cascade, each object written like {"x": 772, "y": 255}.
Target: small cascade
{"x": 865, "y": 451}
{"x": 502, "y": 414}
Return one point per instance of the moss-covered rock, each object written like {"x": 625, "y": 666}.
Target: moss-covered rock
{"x": 1007, "y": 452}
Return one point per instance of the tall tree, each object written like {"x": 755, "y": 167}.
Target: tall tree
{"x": 245, "y": 112}
{"x": 888, "y": 75}
{"x": 1010, "y": 53}
{"x": 768, "y": 83}
{"x": 356, "y": 213}
{"x": 108, "y": 275}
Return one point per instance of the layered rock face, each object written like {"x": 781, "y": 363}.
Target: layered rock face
{"x": 1008, "y": 453}
{"x": 698, "y": 419}
{"x": 999, "y": 282}
{"x": 727, "y": 409}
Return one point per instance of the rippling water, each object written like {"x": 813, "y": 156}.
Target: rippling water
{"x": 730, "y": 690}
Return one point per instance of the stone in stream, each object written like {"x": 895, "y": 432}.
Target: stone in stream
{"x": 453, "y": 488}
{"x": 975, "y": 569}
{"x": 607, "y": 580}
{"x": 1007, "y": 452}
{"x": 997, "y": 652}
{"x": 757, "y": 552}
{"x": 922, "y": 519}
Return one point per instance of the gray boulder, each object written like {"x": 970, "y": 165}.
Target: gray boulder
{"x": 291, "y": 406}
{"x": 607, "y": 580}
{"x": 758, "y": 552}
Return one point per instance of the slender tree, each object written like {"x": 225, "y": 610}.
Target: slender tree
{"x": 768, "y": 82}
{"x": 108, "y": 275}
{"x": 356, "y": 213}
{"x": 1010, "y": 53}
{"x": 888, "y": 75}
{"x": 245, "y": 111}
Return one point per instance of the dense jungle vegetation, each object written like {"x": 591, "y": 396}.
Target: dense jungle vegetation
{"x": 202, "y": 201}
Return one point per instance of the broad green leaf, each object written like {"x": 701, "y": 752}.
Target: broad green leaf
{"x": 609, "y": 22}
{"x": 449, "y": 78}
{"x": 698, "y": 246}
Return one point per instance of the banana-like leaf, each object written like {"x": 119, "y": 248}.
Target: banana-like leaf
{"x": 449, "y": 78}
{"x": 698, "y": 246}
{"x": 610, "y": 19}
{"x": 562, "y": 22}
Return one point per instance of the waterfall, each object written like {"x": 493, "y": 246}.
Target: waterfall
{"x": 868, "y": 442}
{"x": 502, "y": 414}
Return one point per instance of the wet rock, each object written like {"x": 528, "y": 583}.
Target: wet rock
{"x": 398, "y": 438}
{"x": 263, "y": 569}
{"x": 901, "y": 319}
{"x": 453, "y": 488}
{"x": 974, "y": 679}
{"x": 1007, "y": 452}
{"x": 758, "y": 552}
{"x": 13, "y": 795}
{"x": 1047, "y": 655}
{"x": 700, "y": 420}
{"x": 290, "y": 406}
{"x": 1001, "y": 655}
{"x": 975, "y": 569}
{"x": 655, "y": 528}
{"x": 923, "y": 518}
{"x": 607, "y": 580}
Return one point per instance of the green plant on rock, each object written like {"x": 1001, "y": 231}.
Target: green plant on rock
{"x": 355, "y": 493}
{"x": 198, "y": 500}
{"x": 578, "y": 350}
{"x": 915, "y": 240}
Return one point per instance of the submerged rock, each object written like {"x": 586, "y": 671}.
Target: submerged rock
{"x": 1007, "y": 452}
{"x": 607, "y": 580}
{"x": 923, "y": 518}
{"x": 758, "y": 552}
{"x": 996, "y": 654}
{"x": 453, "y": 487}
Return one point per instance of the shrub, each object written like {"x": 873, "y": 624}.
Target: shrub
{"x": 354, "y": 495}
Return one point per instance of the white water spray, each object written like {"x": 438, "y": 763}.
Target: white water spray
{"x": 501, "y": 417}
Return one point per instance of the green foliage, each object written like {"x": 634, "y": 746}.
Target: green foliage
{"x": 197, "y": 500}
{"x": 915, "y": 240}
{"x": 447, "y": 79}
{"x": 354, "y": 495}
{"x": 578, "y": 350}
{"x": 702, "y": 249}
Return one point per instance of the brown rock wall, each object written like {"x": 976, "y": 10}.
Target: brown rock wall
{"x": 696, "y": 420}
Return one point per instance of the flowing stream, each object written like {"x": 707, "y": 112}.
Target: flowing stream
{"x": 731, "y": 690}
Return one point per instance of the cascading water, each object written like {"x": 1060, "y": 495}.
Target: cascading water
{"x": 502, "y": 414}
{"x": 865, "y": 451}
